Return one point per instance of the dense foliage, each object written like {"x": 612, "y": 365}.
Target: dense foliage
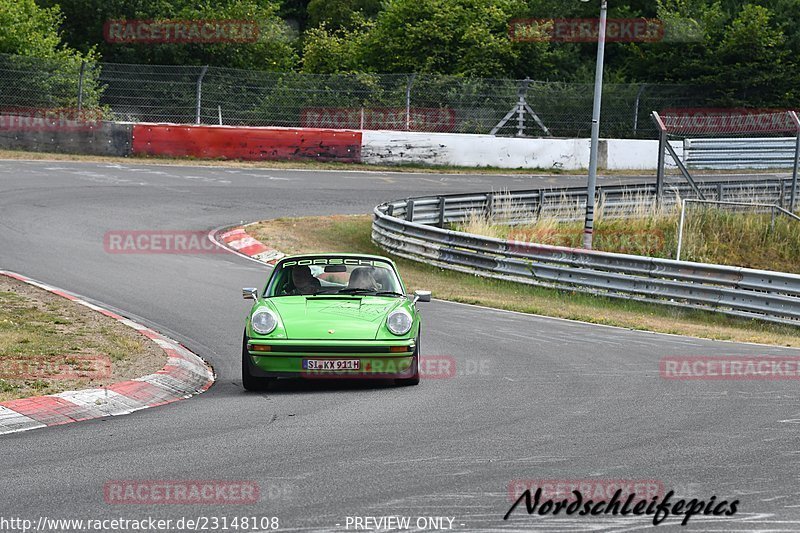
{"x": 745, "y": 52}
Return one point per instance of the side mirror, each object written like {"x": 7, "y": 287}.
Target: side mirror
{"x": 422, "y": 296}
{"x": 250, "y": 293}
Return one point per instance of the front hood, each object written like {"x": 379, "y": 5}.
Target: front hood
{"x": 333, "y": 317}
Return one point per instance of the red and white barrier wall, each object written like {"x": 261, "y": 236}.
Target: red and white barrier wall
{"x": 347, "y": 146}
{"x": 389, "y": 147}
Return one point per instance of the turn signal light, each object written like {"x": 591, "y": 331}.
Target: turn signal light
{"x": 259, "y": 348}
{"x": 398, "y": 349}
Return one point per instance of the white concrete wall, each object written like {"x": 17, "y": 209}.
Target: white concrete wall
{"x": 637, "y": 154}
{"x": 392, "y": 147}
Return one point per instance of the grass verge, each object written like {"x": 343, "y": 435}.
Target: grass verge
{"x": 352, "y": 234}
{"x": 49, "y": 344}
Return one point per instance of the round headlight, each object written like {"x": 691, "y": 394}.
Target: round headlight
{"x": 264, "y": 321}
{"x": 399, "y": 322}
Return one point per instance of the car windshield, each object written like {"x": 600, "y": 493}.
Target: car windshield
{"x": 335, "y": 276}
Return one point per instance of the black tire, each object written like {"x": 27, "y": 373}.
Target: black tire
{"x": 249, "y": 381}
{"x": 414, "y": 379}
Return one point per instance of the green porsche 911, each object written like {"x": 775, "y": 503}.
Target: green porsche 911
{"x": 332, "y": 316}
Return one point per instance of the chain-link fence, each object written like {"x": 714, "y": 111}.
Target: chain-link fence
{"x": 213, "y": 95}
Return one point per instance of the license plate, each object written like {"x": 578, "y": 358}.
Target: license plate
{"x": 331, "y": 364}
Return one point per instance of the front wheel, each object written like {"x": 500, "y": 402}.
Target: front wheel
{"x": 414, "y": 379}
{"x": 249, "y": 381}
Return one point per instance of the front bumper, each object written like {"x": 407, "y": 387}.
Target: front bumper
{"x": 377, "y": 359}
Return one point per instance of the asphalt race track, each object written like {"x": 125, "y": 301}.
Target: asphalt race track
{"x": 533, "y": 398}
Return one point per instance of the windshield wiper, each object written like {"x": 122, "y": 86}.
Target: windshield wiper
{"x": 355, "y": 290}
{"x": 358, "y": 290}
{"x": 322, "y": 291}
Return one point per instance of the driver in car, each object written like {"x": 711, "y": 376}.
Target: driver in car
{"x": 304, "y": 281}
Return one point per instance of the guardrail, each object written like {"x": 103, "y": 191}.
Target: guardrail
{"x": 760, "y": 152}
{"x": 413, "y": 228}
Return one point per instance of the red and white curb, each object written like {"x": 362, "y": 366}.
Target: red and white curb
{"x": 184, "y": 375}
{"x": 237, "y": 240}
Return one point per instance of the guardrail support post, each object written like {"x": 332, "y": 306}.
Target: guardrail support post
{"x": 489, "y": 209}
{"x": 410, "y": 210}
{"x": 442, "y": 201}
{"x": 540, "y": 206}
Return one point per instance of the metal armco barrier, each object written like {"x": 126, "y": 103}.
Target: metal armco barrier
{"x": 412, "y": 228}
{"x": 761, "y": 152}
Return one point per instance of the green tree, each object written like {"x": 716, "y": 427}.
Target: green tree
{"x": 29, "y": 30}
{"x": 465, "y": 37}
{"x": 328, "y": 52}
{"x": 42, "y": 71}
{"x": 274, "y": 50}
{"x": 295, "y": 13}
{"x": 754, "y": 66}
{"x": 341, "y": 14}
{"x": 740, "y": 57}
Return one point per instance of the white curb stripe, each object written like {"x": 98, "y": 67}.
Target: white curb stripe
{"x": 13, "y": 422}
{"x": 99, "y": 402}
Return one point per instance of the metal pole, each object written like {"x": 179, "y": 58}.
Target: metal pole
{"x": 684, "y": 171}
{"x": 680, "y": 230}
{"x": 662, "y": 148}
{"x": 80, "y": 85}
{"x": 408, "y": 100}
{"x": 199, "y": 93}
{"x": 219, "y": 114}
{"x": 793, "y": 194}
{"x": 521, "y": 105}
{"x": 588, "y": 227}
{"x": 772, "y": 221}
{"x": 636, "y": 110}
